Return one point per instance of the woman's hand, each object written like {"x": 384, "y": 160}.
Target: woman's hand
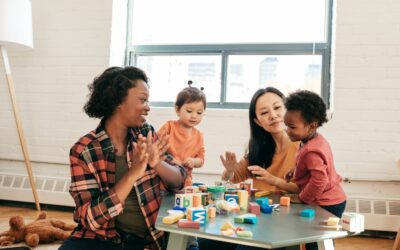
{"x": 139, "y": 156}
{"x": 230, "y": 163}
{"x": 262, "y": 174}
{"x": 157, "y": 149}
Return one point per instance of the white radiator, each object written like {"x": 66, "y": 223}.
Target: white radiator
{"x": 380, "y": 214}
{"x": 51, "y": 190}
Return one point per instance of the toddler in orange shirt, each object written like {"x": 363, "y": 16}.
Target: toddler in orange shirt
{"x": 185, "y": 140}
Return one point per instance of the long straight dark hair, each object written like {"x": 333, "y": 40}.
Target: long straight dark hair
{"x": 261, "y": 144}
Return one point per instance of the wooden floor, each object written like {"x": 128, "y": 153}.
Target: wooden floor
{"x": 349, "y": 243}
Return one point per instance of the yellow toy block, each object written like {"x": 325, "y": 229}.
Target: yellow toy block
{"x": 173, "y": 218}
{"x": 332, "y": 221}
{"x": 261, "y": 194}
{"x": 227, "y": 225}
{"x": 244, "y": 233}
{"x": 243, "y": 199}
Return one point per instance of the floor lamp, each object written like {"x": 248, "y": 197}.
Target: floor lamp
{"x": 16, "y": 31}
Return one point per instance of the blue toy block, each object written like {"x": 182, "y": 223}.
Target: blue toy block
{"x": 267, "y": 209}
{"x": 250, "y": 220}
{"x": 262, "y": 200}
{"x": 307, "y": 213}
{"x": 183, "y": 209}
{"x": 199, "y": 215}
{"x": 232, "y": 197}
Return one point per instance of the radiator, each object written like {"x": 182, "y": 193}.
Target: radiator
{"x": 380, "y": 214}
{"x": 51, "y": 190}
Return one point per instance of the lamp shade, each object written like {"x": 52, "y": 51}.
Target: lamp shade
{"x": 16, "y": 22}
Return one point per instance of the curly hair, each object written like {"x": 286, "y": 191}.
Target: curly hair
{"x": 310, "y": 105}
{"x": 109, "y": 90}
{"x": 261, "y": 146}
{"x": 190, "y": 94}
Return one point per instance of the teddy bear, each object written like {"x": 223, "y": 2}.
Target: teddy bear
{"x": 41, "y": 230}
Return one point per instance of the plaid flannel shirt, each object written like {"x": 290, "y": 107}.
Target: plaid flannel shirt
{"x": 92, "y": 161}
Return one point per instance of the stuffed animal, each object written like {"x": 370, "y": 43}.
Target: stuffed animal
{"x": 41, "y": 230}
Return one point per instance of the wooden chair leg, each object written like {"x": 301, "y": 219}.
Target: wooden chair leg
{"x": 396, "y": 245}
{"x": 302, "y": 246}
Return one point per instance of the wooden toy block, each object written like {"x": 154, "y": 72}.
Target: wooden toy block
{"x": 228, "y": 232}
{"x": 187, "y": 200}
{"x": 183, "y": 209}
{"x": 267, "y": 209}
{"x": 185, "y": 223}
{"x": 263, "y": 200}
{"x": 212, "y": 212}
{"x": 171, "y": 219}
{"x": 353, "y": 222}
{"x": 244, "y": 233}
{"x": 251, "y": 220}
{"x": 254, "y": 208}
{"x": 243, "y": 199}
{"x": 196, "y": 200}
{"x": 284, "y": 201}
{"x": 204, "y": 199}
{"x": 333, "y": 221}
{"x": 227, "y": 225}
{"x": 199, "y": 215}
{"x": 191, "y": 189}
{"x": 179, "y": 200}
{"x": 246, "y": 218}
{"x": 261, "y": 194}
{"x": 270, "y": 201}
{"x": 232, "y": 198}
{"x": 307, "y": 212}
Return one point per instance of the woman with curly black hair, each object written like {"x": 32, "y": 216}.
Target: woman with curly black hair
{"x": 118, "y": 169}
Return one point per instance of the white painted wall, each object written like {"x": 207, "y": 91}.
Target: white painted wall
{"x": 72, "y": 45}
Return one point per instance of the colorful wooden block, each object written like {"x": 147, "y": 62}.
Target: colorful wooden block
{"x": 333, "y": 221}
{"x": 243, "y": 199}
{"x": 250, "y": 220}
{"x": 254, "y": 208}
{"x": 171, "y": 219}
{"x": 196, "y": 200}
{"x": 267, "y": 209}
{"x": 212, "y": 212}
{"x": 199, "y": 215}
{"x": 307, "y": 212}
{"x": 232, "y": 198}
{"x": 246, "y": 218}
{"x": 179, "y": 200}
{"x": 263, "y": 200}
{"x": 244, "y": 233}
{"x": 284, "y": 201}
{"x": 261, "y": 194}
{"x": 185, "y": 223}
{"x": 227, "y": 225}
{"x": 187, "y": 200}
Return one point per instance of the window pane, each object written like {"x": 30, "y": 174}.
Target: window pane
{"x": 227, "y": 21}
{"x": 247, "y": 73}
{"x": 170, "y": 74}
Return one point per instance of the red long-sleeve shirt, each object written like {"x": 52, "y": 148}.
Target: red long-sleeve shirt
{"x": 315, "y": 174}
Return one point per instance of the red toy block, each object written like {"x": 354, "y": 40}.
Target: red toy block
{"x": 185, "y": 223}
{"x": 254, "y": 208}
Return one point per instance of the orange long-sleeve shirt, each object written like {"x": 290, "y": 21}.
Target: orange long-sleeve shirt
{"x": 184, "y": 144}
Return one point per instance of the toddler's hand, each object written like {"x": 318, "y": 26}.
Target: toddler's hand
{"x": 189, "y": 162}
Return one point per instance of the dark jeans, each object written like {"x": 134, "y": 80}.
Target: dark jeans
{"x": 128, "y": 241}
{"x": 337, "y": 210}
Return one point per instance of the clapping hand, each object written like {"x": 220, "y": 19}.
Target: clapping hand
{"x": 139, "y": 156}
{"x": 157, "y": 149}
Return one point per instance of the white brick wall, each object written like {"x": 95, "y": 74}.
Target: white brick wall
{"x": 72, "y": 45}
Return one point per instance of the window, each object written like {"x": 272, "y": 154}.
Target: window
{"x": 231, "y": 48}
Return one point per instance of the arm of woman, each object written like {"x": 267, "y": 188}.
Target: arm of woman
{"x": 171, "y": 174}
{"x": 263, "y": 174}
{"x": 234, "y": 171}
